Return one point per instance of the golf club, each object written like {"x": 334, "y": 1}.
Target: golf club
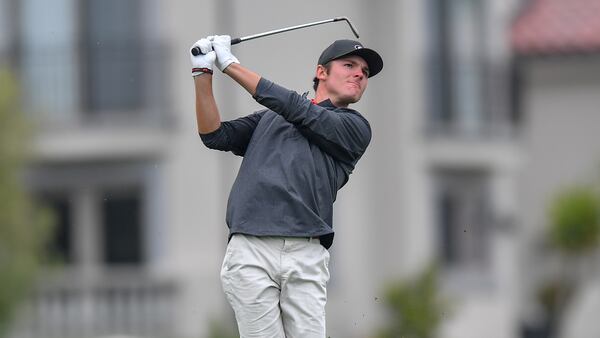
{"x": 196, "y": 50}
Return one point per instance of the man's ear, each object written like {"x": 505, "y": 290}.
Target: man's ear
{"x": 321, "y": 72}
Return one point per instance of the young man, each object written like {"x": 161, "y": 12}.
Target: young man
{"x": 297, "y": 154}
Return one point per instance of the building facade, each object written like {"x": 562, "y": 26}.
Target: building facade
{"x": 140, "y": 202}
{"x": 557, "y": 60}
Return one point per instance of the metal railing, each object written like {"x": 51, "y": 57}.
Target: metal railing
{"x": 83, "y": 83}
{"x": 115, "y": 305}
{"x": 483, "y": 112}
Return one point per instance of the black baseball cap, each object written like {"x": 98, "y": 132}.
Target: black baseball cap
{"x": 341, "y": 48}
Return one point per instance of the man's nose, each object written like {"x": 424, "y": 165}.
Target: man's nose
{"x": 359, "y": 73}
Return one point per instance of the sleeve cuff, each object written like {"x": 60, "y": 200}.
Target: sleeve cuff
{"x": 263, "y": 85}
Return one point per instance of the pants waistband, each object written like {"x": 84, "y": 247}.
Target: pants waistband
{"x": 301, "y": 239}
{"x": 286, "y": 238}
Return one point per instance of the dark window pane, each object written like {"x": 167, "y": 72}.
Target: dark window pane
{"x": 122, "y": 229}
{"x": 113, "y": 61}
{"x": 446, "y": 221}
{"x": 456, "y": 71}
{"x": 463, "y": 217}
{"x": 60, "y": 244}
{"x": 440, "y": 71}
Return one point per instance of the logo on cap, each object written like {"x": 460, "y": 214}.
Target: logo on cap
{"x": 358, "y": 46}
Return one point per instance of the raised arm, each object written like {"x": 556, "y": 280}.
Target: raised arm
{"x": 230, "y": 65}
{"x": 244, "y": 76}
{"x": 231, "y": 135}
{"x": 207, "y": 113}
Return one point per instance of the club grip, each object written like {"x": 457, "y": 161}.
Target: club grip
{"x": 196, "y": 50}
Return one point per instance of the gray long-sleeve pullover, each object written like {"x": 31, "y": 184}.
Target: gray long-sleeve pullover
{"x": 297, "y": 155}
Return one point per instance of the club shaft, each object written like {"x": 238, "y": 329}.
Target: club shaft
{"x": 196, "y": 50}
{"x": 281, "y": 30}
{"x": 291, "y": 28}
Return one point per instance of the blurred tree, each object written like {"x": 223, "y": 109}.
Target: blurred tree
{"x": 575, "y": 221}
{"x": 223, "y": 329}
{"x": 21, "y": 227}
{"x": 416, "y": 307}
{"x": 574, "y": 232}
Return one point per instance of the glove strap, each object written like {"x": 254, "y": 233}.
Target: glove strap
{"x": 202, "y": 70}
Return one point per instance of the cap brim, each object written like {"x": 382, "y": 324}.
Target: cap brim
{"x": 374, "y": 61}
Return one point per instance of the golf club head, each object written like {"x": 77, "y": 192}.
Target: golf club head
{"x": 344, "y": 18}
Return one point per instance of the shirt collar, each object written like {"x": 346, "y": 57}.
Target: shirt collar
{"x": 325, "y": 103}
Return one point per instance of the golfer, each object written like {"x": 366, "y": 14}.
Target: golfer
{"x": 297, "y": 154}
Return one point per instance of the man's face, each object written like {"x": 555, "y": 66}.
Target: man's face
{"x": 346, "y": 80}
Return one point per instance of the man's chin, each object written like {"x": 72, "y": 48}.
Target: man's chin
{"x": 351, "y": 99}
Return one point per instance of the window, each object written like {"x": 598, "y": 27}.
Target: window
{"x": 60, "y": 245}
{"x": 101, "y": 218}
{"x": 462, "y": 217}
{"x": 48, "y": 58}
{"x": 457, "y": 67}
{"x": 112, "y": 60}
{"x": 91, "y": 55}
{"x": 122, "y": 228}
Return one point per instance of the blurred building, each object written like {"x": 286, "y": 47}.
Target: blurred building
{"x": 93, "y": 79}
{"x": 140, "y": 202}
{"x": 557, "y": 48}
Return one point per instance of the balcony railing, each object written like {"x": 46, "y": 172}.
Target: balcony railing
{"x": 107, "y": 83}
{"x": 115, "y": 305}
{"x": 470, "y": 101}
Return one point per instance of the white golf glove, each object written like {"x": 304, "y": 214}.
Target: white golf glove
{"x": 203, "y": 63}
{"x": 222, "y": 46}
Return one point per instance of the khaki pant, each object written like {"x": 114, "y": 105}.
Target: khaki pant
{"x": 276, "y": 286}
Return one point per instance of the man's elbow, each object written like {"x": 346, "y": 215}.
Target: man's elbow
{"x": 210, "y": 140}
